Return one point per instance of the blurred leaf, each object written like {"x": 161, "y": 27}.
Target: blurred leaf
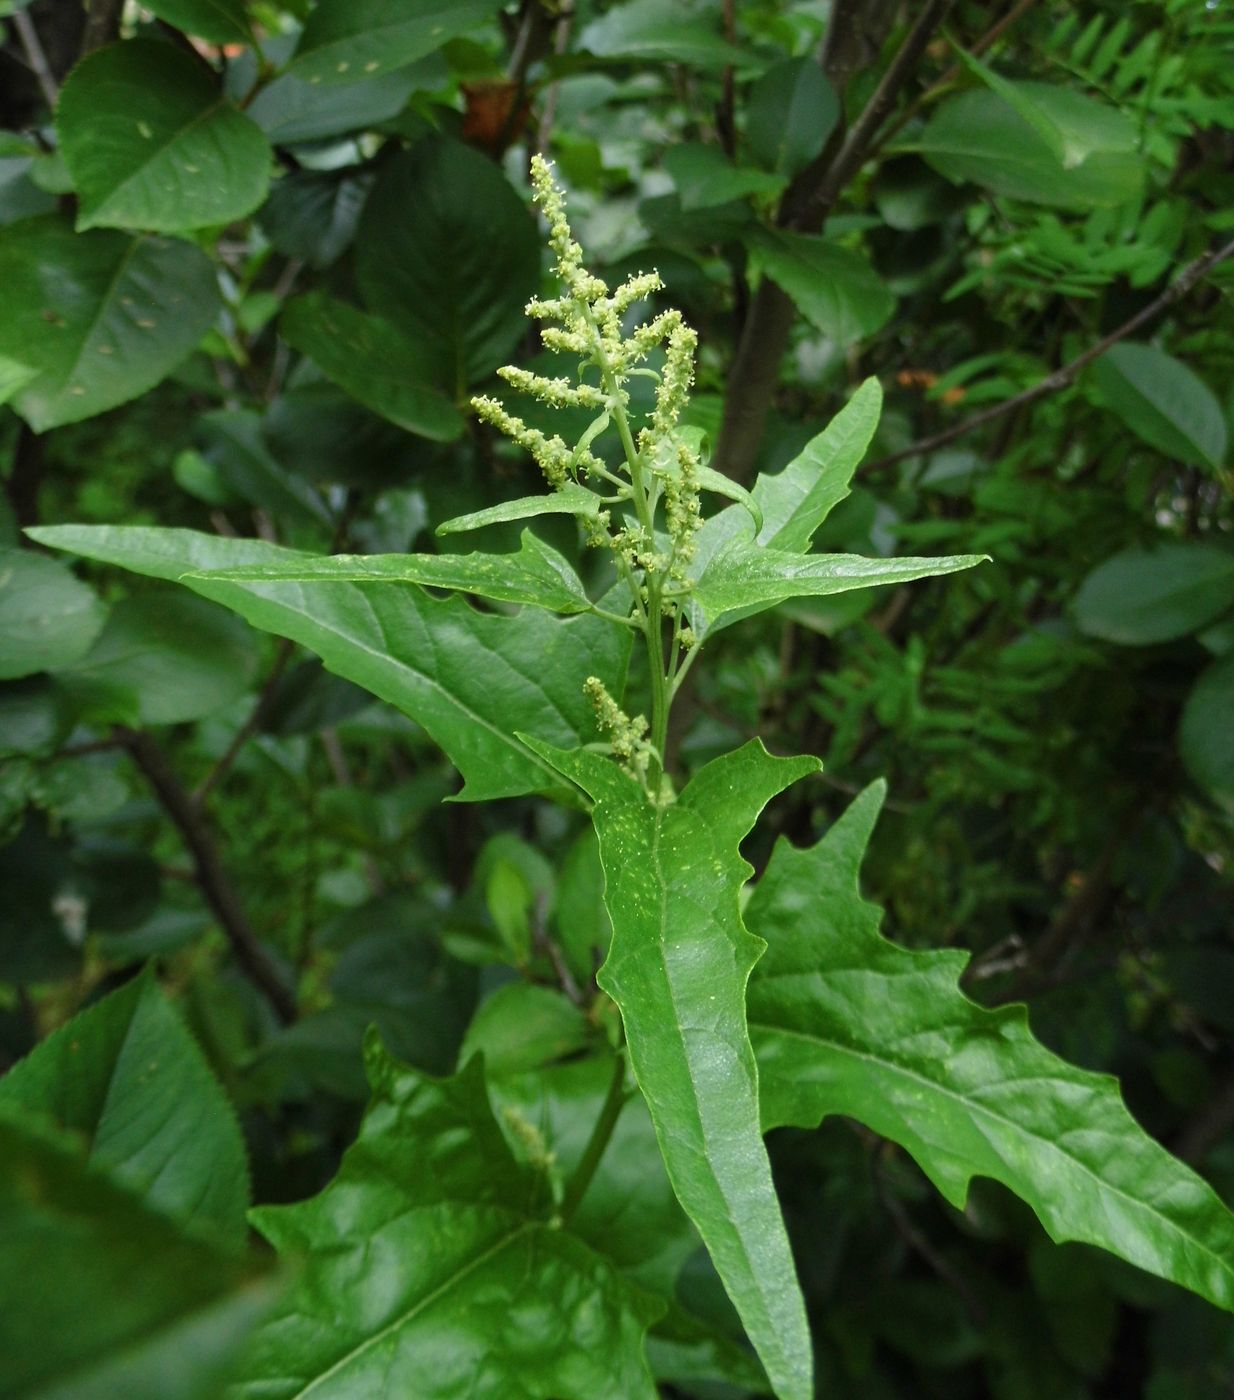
{"x": 834, "y": 288}
{"x": 48, "y": 618}
{"x": 979, "y": 136}
{"x": 448, "y": 254}
{"x": 101, "y": 317}
{"x": 374, "y": 362}
{"x": 101, "y": 1297}
{"x": 790, "y": 112}
{"x": 294, "y": 109}
{"x": 1163, "y": 402}
{"x": 219, "y": 21}
{"x": 663, "y": 31}
{"x": 446, "y": 1271}
{"x": 152, "y": 143}
{"x": 1206, "y": 735}
{"x": 844, "y": 1021}
{"x": 705, "y": 177}
{"x": 314, "y": 215}
{"x": 1142, "y": 596}
{"x": 232, "y": 443}
{"x": 127, "y": 1077}
{"x": 348, "y": 40}
{"x": 523, "y": 1027}
{"x": 677, "y": 968}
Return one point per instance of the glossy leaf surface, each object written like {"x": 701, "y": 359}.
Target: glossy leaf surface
{"x": 677, "y": 967}
{"x": 100, "y": 1297}
{"x": 101, "y": 317}
{"x": 443, "y": 1268}
{"x": 128, "y": 1077}
{"x": 151, "y": 143}
{"x": 845, "y": 1021}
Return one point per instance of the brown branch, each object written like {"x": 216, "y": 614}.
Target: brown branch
{"x": 211, "y": 878}
{"x": 102, "y": 24}
{"x": 1065, "y": 375}
{"x": 37, "y": 58}
{"x": 806, "y": 204}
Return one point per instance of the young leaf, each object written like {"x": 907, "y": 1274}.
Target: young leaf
{"x": 1142, "y": 596}
{"x": 444, "y": 1267}
{"x": 844, "y": 1021}
{"x": 101, "y": 317}
{"x": 536, "y": 576}
{"x": 345, "y": 41}
{"x": 128, "y": 1077}
{"x": 99, "y": 1296}
{"x": 48, "y": 618}
{"x": 677, "y": 968}
{"x": 373, "y": 362}
{"x": 834, "y": 288}
{"x": 572, "y": 499}
{"x": 1164, "y": 402}
{"x": 151, "y": 143}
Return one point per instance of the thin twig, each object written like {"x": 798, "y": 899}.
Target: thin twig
{"x": 102, "y": 24}
{"x": 1064, "y": 376}
{"x": 248, "y": 728}
{"x": 211, "y": 878}
{"x": 36, "y": 56}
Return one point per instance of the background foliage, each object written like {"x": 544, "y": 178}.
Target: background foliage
{"x": 254, "y": 259}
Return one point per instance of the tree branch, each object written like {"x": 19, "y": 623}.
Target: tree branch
{"x": 1065, "y": 375}
{"x": 37, "y": 58}
{"x": 211, "y": 877}
{"x": 102, "y": 24}
{"x": 248, "y": 728}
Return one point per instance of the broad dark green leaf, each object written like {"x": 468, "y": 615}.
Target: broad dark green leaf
{"x": 1206, "y": 735}
{"x": 536, "y": 576}
{"x": 313, "y": 215}
{"x": 572, "y": 499}
{"x": 375, "y": 363}
{"x": 291, "y": 110}
{"x": 101, "y": 317}
{"x": 1164, "y": 402}
{"x": 1141, "y": 596}
{"x": 834, "y": 288}
{"x": 470, "y": 679}
{"x": 844, "y": 1021}
{"x": 661, "y": 31}
{"x": 233, "y": 444}
{"x": 677, "y": 968}
{"x": 747, "y": 577}
{"x": 152, "y": 143}
{"x": 219, "y": 21}
{"x": 790, "y": 112}
{"x": 163, "y": 658}
{"x": 979, "y": 136}
{"x": 128, "y": 1077}
{"x": 446, "y": 1271}
{"x": 448, "y": 253}
{"x": 100, "y": 1297}
{"x": 48, "y": 618}
{"x": 705, "y": 177}
{"x": 347, "y": 40}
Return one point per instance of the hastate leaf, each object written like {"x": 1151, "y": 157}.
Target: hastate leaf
{"x": 151, "y": 142}
{"x": 128, "y": 1077}
{"x": 677, "y": 967}
{"x": 537, "y": 576}
{"x": 101, "y": 317}
{"x": 445, "y": 1270}
{"x": 101, "y": 1297}
{"x": 845, "y": 1021}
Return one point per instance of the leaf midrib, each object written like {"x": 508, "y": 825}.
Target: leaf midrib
{"x": 975, "y": 1108}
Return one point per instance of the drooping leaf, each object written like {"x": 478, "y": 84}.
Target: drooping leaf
{"x": 536, "y": 576}
{"x": 678, "y": 966}
{"x": 163, "y": 658}
{"x": 219, "y": 21}
{"x": 1164, "y": 402}
{"x": 834, "y": 288}
{"x": 152, "y": 143}
{"x": 101, "y": 1297}
{"x": 979, "y": 136}
{"x": 1141, "y": 596}
{"x": 446, "y": 1272}
{"x": 348, "y": 40}
{"x": 705, "y": 177}
{"x": 101, "y": 317}
{"x": 790, "y": 112}
{"x": 747, "y": 577}
{"x": 128, "y": 1077}
{"x": 48, "y": 618}
{"x": 375, "y": 363}
{"x": 1206, "y": 734}
{"x": 572, "y": 499}
{"x": 845, "y": 1021}
{"x": 448, "y": 253}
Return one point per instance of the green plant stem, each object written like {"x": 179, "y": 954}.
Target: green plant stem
{"x": 614, "y": 1102}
